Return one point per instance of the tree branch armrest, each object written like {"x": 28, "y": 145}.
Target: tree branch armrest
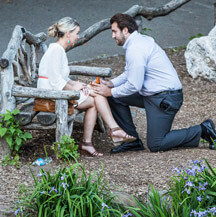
{"x": 90, "y": 71}
{"x": 20, "y": 91}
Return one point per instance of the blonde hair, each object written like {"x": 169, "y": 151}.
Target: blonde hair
{"x": 62, "y": 26}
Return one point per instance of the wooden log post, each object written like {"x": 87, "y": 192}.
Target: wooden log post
{"x": 215, "y": 13}
{"x": 61, "y": 110}
{"x": 8, "y": 101}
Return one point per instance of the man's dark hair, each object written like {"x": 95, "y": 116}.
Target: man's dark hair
{"x": 124, "y": 20}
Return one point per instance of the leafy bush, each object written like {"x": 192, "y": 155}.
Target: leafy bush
{"x": 14, "y": 136}
{"x": 70, "y": 192}
{"x": 9, "y": 128}
{"x": 192, "y": 193}
{"x": 66, "y": 149}
{"x": 193, "y": 190}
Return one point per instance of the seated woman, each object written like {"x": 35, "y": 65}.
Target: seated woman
{"x": 53, "y": 75}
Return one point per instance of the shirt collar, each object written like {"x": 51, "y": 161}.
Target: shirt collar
{"x": 132, "y": 35}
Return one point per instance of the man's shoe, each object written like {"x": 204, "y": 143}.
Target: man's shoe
{"x": 136, "y": 145}
{"x": 208, "y": 132}
{"x": 212, "y": 146}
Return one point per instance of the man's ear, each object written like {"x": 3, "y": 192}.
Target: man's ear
{"x": 125, "y": 30}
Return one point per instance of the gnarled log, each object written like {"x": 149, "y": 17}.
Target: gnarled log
{"x": 90, "y": 71}
{"x": 136, "y": 10}
{"x": 43, "y": 93}
{"x": 26, "y": 114}
{"x": 46, "y": 118}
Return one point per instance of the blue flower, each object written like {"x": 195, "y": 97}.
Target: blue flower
{"x": 103, "y": 206}
{"x": 177, "y": 170}
{"x": 43, "y": 192}
{"x": 199, "y": 198}
{"x": 62, "y": 177}
{"x": 193, "y": 212}
{"x": 17, "y": 211}
{"x": 65, "y": 185}
{"x": 212, "y": 210}
{"x": 128, "y": 214}
{"x": 188, "y": 191}
{"x": 189, "y": 184}
{"x": 41, "y": 174}
{"x": 53, "y": 189}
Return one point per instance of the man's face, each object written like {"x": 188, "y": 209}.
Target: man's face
{"x": 118, "y": 35}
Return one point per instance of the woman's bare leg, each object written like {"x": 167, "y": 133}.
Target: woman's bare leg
{"x": 89, "y": 122}
{"x": 105, "y": 112}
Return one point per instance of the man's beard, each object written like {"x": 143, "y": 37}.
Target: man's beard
{"x": 120, "y": 41}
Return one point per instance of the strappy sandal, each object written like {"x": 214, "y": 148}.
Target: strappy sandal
{"x": 88, "y": 153}
{"x": 117, "y": 139}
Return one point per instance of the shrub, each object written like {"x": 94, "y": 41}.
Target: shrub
{"x": 66, "y": 149}
{"x": 9, "y": 128}
{"x": 14, "y": 136}
{"x": 192, "y": 193}
{"x": 70, "y": 192}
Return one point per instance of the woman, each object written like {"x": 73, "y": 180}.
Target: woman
{"x": 53, "y": 75}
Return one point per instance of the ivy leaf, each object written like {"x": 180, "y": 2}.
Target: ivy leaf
{"x": 12, "y": 130}
{"x": 9, "y": 141}
{"x": 27, "y": 135}
{"x": 18, "y": 142}
{"x": 3, "y": 131}
{"x": 15, "y": 111}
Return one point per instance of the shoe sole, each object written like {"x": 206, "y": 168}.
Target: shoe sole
{"x": 134, "y": 149}
{"x": 213, "y": 127}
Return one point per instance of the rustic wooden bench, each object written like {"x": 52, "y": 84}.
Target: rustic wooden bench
{"x": 19, "y": 73}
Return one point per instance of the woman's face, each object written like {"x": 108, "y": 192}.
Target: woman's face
{"x": 74, "y": 35}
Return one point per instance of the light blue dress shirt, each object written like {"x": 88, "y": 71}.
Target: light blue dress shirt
{"x": 148, "y": 70}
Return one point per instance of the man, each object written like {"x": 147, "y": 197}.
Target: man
{"x": 151, "y": 82}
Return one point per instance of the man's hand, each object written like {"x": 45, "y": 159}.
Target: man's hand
{"x": 107, "y": 83}
{"x": 102, "y": 89}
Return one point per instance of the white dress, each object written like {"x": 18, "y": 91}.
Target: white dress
{"x": 54, "y": 70}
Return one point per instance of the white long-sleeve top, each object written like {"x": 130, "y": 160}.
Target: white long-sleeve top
{"x": 148, "y": 70}
{"x": 54, "y": 67}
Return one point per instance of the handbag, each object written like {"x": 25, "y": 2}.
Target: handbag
{"x": 48, "y": 105}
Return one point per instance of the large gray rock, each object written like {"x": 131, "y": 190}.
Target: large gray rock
{"x": 200, "y": 56}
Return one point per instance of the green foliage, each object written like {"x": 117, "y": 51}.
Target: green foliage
{"x": 66, "y": 149}
{"x": 193, "y": 190}
{"x": 12, "y": 161}
{"x": 144, "y": 30}
{"x": 192, "y": 193}
{"x": 70, "y": 192}
{"x": 14, "y": 136}
{"x": 155, "y": 207}
{"x": 175, "y": 49}
{"x": 196, "y": 36}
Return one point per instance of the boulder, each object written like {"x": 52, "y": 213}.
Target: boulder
{"x": 200, "y": 56}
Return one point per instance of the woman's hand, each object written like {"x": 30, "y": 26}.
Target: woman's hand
{"x": 91, "y": 91}
{"x": 76, "y": 85}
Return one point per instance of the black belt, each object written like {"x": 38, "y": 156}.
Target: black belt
{"x": 168, "y": 92}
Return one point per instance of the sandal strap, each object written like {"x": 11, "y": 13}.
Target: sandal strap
{"x": 115, "y": 129}
{"x": 86, "y": 144}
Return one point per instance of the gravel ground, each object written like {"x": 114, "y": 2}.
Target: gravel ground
{"x": 132, "y": 172}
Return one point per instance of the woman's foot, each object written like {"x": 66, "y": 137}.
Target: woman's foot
{"x": 118, "y": 136}
{"x": 87, "y": 148}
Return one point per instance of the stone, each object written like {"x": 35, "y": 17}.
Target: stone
{"x": 200, "y": 56}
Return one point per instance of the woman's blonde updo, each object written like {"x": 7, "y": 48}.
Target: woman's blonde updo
{"x": 62, "y": 26}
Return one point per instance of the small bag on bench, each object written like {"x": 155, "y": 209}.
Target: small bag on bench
{"x": 48, "y": 105}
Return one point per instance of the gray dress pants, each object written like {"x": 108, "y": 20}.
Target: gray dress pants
{"x": 160, "y": 112}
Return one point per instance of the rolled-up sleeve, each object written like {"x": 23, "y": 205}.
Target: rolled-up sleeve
{"x": 133, "y": 75}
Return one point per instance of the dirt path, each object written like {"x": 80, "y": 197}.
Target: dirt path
{"x": 131, "y": 171}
